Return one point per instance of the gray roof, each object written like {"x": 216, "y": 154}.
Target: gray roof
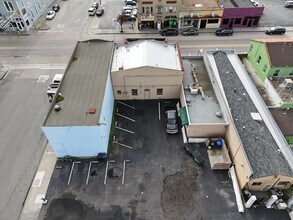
{"x": 259, "y": 144}
{"x": 83, "y": 85}
{"x": 236, "y": 3}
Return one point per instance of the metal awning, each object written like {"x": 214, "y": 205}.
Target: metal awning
{"x": 183, "y": 116}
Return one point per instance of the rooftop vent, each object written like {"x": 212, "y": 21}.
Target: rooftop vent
{"x": 256, "y": 116}
{"x": 188, "y": 100}
{"x": 219, "y": 114}
{"x": 92, "y": 111}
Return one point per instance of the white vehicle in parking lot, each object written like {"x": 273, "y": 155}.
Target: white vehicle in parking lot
{"x": 50, "y": 15}
{"x": 92, "y": 11}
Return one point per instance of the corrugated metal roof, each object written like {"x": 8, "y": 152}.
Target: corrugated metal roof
{"x": 146, "y": 53}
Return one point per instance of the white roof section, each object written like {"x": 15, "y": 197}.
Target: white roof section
{"x": 146, "y": 53}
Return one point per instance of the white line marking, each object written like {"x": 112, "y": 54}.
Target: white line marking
{"x": 124, "y": 130}
{"x": 122, "y": 103}
{"x": 124, "y": 145}
{"x": 130, "y": 119}
{"x": 105, "y": 179}
{"x": 38, "y": 179}
{"x": 159, "y": 105}
{"x": 43, "y": 78}
{"x": 69, "y": 179}
{"x": 89, "y": 170}
{"x": 76, "y": 21}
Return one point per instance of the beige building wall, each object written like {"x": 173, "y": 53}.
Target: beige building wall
{"x": 205, "y": 130}
{"x": 270, "y": 182}
{"x": 144, "y": 83}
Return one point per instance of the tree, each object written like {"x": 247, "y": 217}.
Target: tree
{"x": 121, "y": 19}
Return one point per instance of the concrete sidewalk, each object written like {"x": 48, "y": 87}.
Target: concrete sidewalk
{"x": 38, "y": 189}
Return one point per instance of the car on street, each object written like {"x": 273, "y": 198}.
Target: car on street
{"x": 276, "y": 30}
{"x": 169, "y": 32}
{"x": 50, "y": 15}
{"x": 95, "y": 5}
{"x": 289, "y": 4}
{"x": 92, "y": 11}
{"x": 130, "y": 2}
{"x": 130, "y": 17}
{"x": 190, "y": 32}
{"x": 255, "y": 3}
{"x": 100, "y": 12}
{"x": 224, "y": 32}
{"x": 171, "y": 122}
{"x": 56, "y": 7}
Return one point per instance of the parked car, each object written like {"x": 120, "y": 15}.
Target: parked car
{"x": 190, "y": 32}
{"x": 100, "y": 12}
{"x": 56, "y": 7}
{"x": 130, "y": 17}
{"x": 169, "y": 32}
{"x": 224, "y": 32}
{"x": 95, "y": 5}
{"x": 289, "y": 4}
{"x": 92, "y": 11}
{"x": 50, "y": 15}
{"x": 276, "y": 30}
{"x": 130, "y": 2}
{"x": 255, "y": 3}
{"x": 171, "y": 122}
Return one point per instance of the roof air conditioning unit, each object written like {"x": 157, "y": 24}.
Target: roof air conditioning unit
{"x": 188, "y": 100}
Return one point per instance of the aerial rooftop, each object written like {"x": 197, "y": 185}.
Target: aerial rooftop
{"x": 142, "y": 53}
{"x": 83, "y": 85}
{"x": 280, "y": 51}
{"x": 200, "y": 4}
{"x": 200, "y": 110}
{"x": 236, "y": 3}
{"x": 263, "y": 152}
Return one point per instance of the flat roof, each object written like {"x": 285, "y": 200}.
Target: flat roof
{"x": 236, "y": 4}
{"x": 146, "y": 53}
{"x": 264, "y": 154}
{"x": 83, "y": 85}
{"x": 200, "y": 110}
{"x": 200, "y": 4}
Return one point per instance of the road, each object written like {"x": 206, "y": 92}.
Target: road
{"x": 23, "y": 101}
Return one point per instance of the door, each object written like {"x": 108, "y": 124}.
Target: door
{"x": 231, "y": 22}
{"x": 146, "y": 94}
{"x": 203, "y": 23}
{"x": 249, "y": 23}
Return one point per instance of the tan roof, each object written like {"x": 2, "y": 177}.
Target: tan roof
{"x": 201, "y": 4}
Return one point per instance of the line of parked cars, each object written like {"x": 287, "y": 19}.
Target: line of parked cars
{"x": 51, "y": 14}
{"x": 95, "y": 10}
{"x": 130, "y": 10}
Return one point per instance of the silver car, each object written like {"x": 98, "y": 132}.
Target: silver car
{"x": 171, "y": 122}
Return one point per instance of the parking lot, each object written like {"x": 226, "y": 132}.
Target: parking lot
{"x": 148, "y": 176}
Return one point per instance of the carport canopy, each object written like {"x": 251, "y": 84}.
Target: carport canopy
{"x": 183, "y": 116}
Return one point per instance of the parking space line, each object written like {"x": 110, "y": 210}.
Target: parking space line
{"x": 72, "y": 167}
{"x": 124, "y": 145}
{"x": 159, "y": 105}
{"x": 130, "y": 119}
{"x": 123, "y": 172}
{"x": 89, "y": 170}
{"x": 122, "y": 129}
{"x": 107, "y": 165}
{"x": 122, "y": 103}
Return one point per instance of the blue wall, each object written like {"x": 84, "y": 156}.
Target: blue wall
{"x": 84, "y": 141}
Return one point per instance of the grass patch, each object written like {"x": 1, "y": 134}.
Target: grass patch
{"x": 74, "y": 58}
{"x": 289, "y": 139}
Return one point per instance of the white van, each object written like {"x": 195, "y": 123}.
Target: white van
{"x": 289, "y": 4}
{"x": 57, "y": 79}
{"x": 92, "y": 11}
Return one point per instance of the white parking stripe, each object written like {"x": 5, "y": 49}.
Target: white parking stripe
{"x": 124, "y": 130}
{"x": 124, "y": 145}
{"x": 130, "y": 119}
{"x": 122, "y": 103}
{"x": 159, "y": 104}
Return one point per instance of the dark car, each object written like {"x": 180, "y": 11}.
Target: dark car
{"x": 56, "y": 7}
{"x": 171, "y": 122}
{"x": 100, "y": 12}
{"x": 276, "y": 30}
{"x": 130, "y": 17}
{"x": 190, "y": 32}
{"x": 224, "y": 32}
{"x": 169, "y": 32}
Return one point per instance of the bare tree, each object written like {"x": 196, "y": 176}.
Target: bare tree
{"x": 121, "y": 19}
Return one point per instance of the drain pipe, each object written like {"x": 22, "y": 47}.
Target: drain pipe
{"x": 236, "y": 189}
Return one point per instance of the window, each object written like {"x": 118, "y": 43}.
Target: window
{"x": 22, "y": 4}
{"x": 134, "y": 92}
{"x": 258, "y": 59}
{"x": 251, "y": 48}
{"x": 160, "y": 9}
{"x": 226, "y": 21}
{"x": 36, "y": 10}
{"x": 255, "y": 21}
{"x": 11, "y": 6}
{"x": 265, "y": 68}
{"x": 8, "y": 6}
{"x": 245, "y": 21}
{"x": 170, "y": 9}
{"x": 119, "y": 92}
{"x": 291, "y": 73}
{"x": 238, "y": 21}
{"x": 213, "y": 21}
{"x": 159, "y": 91}
{"x": 40, "y": 8}
{"x": 143, "y": 10}
{"x": 148, "y": 10}
{"x": 283, "y": 183}
{"x": 43, "y": 3}
{"x": 256, "y": 183}
{"x": 32, "y": 14}
{"x": 276, "y": 73}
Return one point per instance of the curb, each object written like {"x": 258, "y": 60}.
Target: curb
{"x": 3, "y": 72}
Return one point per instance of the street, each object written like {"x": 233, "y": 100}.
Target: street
{"x": 34, "y": 59}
